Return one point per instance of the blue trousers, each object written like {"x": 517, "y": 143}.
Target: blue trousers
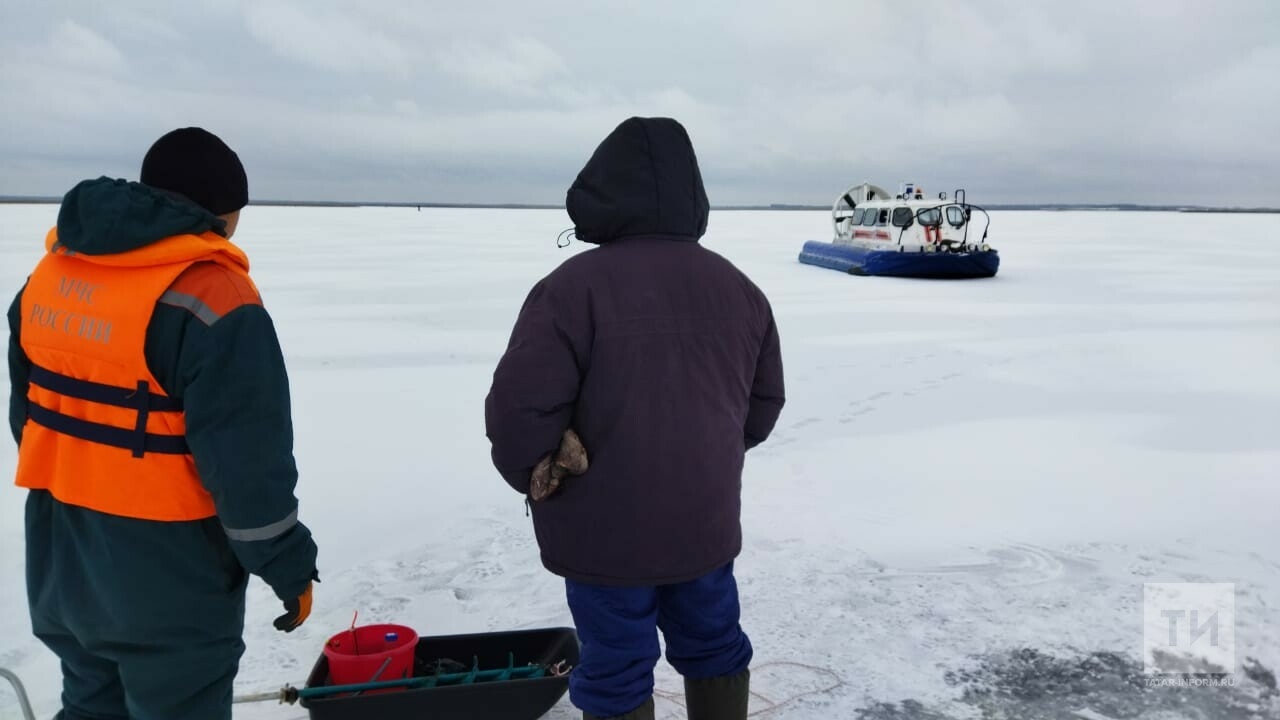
{"x": 618, "y": 628}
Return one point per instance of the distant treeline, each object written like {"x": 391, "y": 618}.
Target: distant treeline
{"x": 1117, "y": 207}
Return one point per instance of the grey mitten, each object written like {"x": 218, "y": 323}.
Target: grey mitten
{"x": 570, "y": 459}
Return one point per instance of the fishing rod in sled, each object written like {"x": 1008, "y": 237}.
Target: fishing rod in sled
{"x": 291, "y": 695}
{"x": 513, "y": 675}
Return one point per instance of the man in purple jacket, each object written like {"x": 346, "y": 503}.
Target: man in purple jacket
{"x": 664, "y": 358}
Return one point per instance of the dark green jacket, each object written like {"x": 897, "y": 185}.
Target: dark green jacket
{"x": 231, "y": 377}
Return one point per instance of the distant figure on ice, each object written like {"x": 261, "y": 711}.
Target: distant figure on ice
{"x": 664, "y": 358}
{"x": 151, "y": 410}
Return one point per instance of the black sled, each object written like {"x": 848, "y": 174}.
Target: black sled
{"x": 514, "y": 675}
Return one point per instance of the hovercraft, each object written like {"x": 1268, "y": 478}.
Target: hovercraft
{"x": 905, "y": 235}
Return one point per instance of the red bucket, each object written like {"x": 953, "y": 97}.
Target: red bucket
{"x": 355, "y": 656}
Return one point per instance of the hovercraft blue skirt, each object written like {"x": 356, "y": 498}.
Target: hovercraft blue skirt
{"x": 865, "y": 261}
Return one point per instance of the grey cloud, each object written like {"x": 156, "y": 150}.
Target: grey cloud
{"x": 786, "y": 102}
{"x": 519, "y": 66}
{"x": 325, "y": 40}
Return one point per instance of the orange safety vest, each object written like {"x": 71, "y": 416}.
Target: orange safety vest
{"x": 101, "y": 433}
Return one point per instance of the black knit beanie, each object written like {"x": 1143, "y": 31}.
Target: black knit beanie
{"x": 197, "y": 164}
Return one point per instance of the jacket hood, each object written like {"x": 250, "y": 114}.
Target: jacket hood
{"x": 643, "y": 179}
{"x": 106, "y": 216}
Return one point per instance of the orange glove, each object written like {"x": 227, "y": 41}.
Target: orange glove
{"x": 297, "y": 611}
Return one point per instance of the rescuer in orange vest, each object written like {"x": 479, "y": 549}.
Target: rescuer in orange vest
{"x": 151, "y": 409}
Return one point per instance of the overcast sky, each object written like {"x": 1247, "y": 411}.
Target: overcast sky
{"x": 1152, "y": 101}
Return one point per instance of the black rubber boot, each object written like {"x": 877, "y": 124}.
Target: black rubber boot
{"x": 644, "y": 712}
{"x": 718, "y": 698}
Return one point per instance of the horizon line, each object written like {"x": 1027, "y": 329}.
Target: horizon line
{"x": 1130, "y": 206}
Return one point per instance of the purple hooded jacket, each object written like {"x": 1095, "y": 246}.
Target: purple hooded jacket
{"x": 664, "y": 358}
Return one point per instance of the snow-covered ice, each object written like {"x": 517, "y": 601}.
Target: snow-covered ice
{"x": 955, "y": 517}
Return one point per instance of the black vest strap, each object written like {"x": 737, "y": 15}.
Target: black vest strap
{"x": 100, "y": 393}
{"x": 106, "y": 434}
{"x": 137, "y": 440}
